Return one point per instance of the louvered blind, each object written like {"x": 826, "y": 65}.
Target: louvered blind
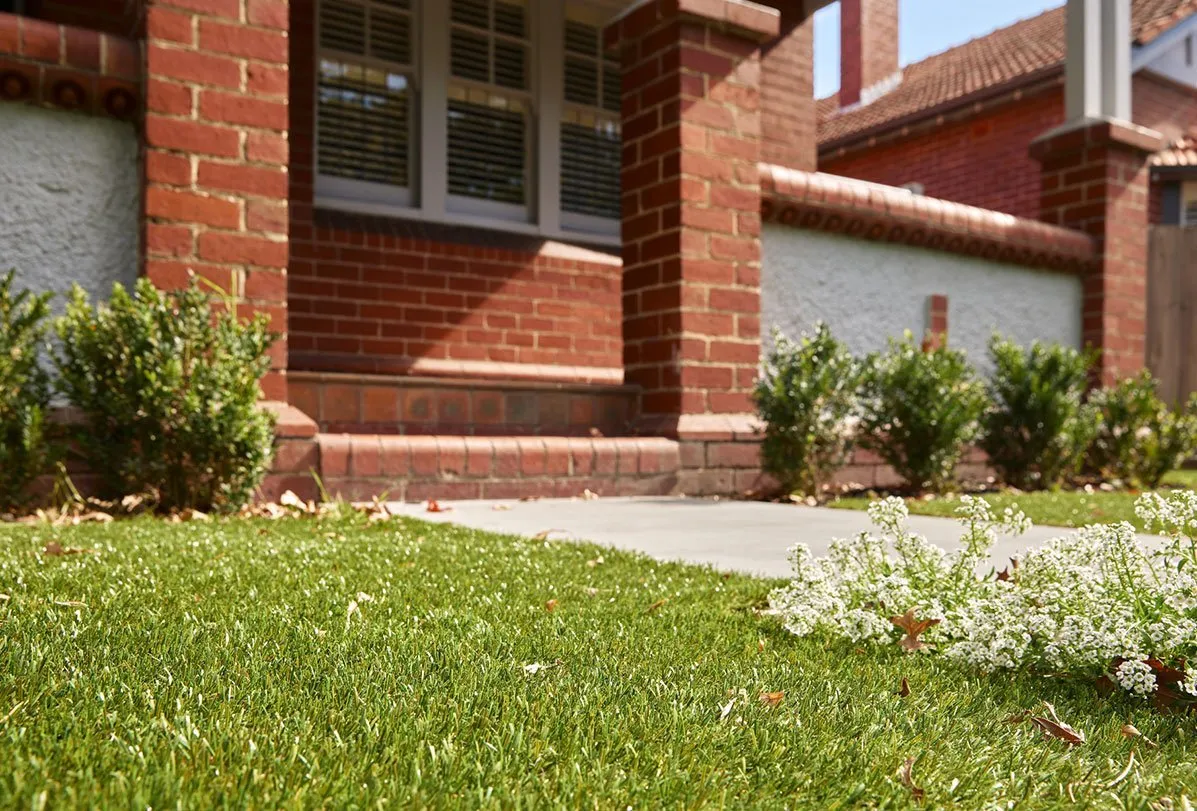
{"x": 590, "y": 134}
{"x": 488, "y": 103}
{"x": 1190, "y": 213}
{"x": 364, "y": 103}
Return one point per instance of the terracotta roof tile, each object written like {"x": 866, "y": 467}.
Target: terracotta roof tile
{"x": 1180, "y": 153}
{"x": 1017, "y": 51}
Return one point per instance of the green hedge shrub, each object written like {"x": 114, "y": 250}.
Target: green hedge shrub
{"x": 168, "y": 391}
{"x": 25, "y": 452}
{"x": 919, "y": 410}
{"x": 1037, "y": 428}
{"x": 805, "y": 397}
{"x": 1140, "y": 438}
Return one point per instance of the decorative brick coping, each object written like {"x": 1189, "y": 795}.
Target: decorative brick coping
{"x": 417, "y": 468}
{"x": 69, "y": 68}
{"x": 456, "y": 369}
{"x": 883, "y": 213}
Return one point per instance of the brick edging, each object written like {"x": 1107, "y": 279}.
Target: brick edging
{"x": 881, "y": 213}
{"x": 68, "y": 68}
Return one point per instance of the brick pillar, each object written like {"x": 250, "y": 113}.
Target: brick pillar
{"x": 788, "y": 136}
{"x": 1095, "y": 179}
{"x": 691, "y": 216}
{"x": 216, "y": 154}
{"x": 868, "y": 46}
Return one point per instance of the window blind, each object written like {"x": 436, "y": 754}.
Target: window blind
{"x": 364, "y": 98}
{"x": 489, "y": 109}
{"x": 591, "y": 146}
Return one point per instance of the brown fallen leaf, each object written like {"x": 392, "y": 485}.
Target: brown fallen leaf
{"x": 499, "y": 508}
{"x": 1131, "y": 731}
{"x": 589, "y": 495}
{"x": 530, "y": 498}
{"x": 652, "y": 609}
{"x": 595, "y": 562}
{"x": 544, "y": 535}
{"x": 1009, "y": 572}
{"x": 1053, "y": 727}
{"x": 435, "y": 507}
{"x": 772, "y": 699}
{"x": 92, "y": 518}
{"x": 760, "y": 646}
{"x": 914, "y": 628}
{"x": 906, "y": 775}
{"x": 550, "y": 606}
{"x": 54, "y": 549}
{"x": 904, "y": 688}
{"x": 1017, "y": 718}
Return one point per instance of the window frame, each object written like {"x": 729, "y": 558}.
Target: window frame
{"x": 428, "y": 198}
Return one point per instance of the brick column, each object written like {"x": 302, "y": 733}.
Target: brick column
{"x": 691, "y": 221}
{"x": 216, "y": 154}
{"x": 788, "y": 91}
{"x": 1095, "y": 180}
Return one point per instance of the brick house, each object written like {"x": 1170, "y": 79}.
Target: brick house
{"x": 958, "y": 125}
{"x": 524, "y": 247}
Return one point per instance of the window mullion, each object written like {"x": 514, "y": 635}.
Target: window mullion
{"x": 434, "y": 108}
{"x": 550, "y": 95}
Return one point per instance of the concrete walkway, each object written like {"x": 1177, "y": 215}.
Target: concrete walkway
{"x": 743, "y": 536}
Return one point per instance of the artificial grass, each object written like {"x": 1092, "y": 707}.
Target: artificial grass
{"x": 219, "y": 664}
{"x": 1062, "y": 508}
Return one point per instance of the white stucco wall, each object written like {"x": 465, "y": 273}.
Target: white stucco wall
{"x": 869, "y": 291}
{"x": 69, "y": 199}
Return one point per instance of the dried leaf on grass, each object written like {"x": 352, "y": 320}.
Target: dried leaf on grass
{"x": 726, "y": 709}
{"x": 54, "y": 549}
{"x": 914, "y": 628}
{"x": 772, "y": 699}
{"x": 904, "y": 688}
{"x": 1131, "y": 731}
{"x": 655, "y": 607}
{"x": 906, "y": 775}
{"x": 434, "y": 506}
{"x": 1053, "y": 727}
{"x": 543, "y": 535}
{"x": 550, "y": 606}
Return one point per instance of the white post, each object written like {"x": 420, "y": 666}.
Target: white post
{"x": 1116, "y": 59}
{"x": 1082, "y": 61}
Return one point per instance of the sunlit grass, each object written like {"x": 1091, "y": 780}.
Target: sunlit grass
{"x": 220, "y": 664}
{"x": 1064, "y": 508}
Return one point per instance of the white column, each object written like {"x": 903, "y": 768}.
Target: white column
{"x": 1116, "y": 59}
{"x": 549, "y": 42}
{"x": 434, "y": 108}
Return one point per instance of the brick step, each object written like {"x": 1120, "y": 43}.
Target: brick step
{"x": 432, "y": 406}
{"x": 418, "y": 468}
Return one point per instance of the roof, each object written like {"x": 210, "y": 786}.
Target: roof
{"x": 1181, "y": 153}
{"x": 1019, "y": 51}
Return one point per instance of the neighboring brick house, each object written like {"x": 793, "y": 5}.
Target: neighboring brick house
{"x": 958, "y": 125}
{"x": 522, "y": 247}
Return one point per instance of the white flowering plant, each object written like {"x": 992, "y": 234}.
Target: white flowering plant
{"x": 1095, "y": 603}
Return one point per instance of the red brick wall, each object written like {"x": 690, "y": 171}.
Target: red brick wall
{"x": 984, "y": 161}
{"x": 787, "y": 91}
{"x": 868, "y": 45}
{"x": 372, "y": 294}
{"x": 981, "y": 161}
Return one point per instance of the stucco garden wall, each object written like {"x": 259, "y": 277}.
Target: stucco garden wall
{"x": 868, "y": 291}
{"x": 69, "y": 199}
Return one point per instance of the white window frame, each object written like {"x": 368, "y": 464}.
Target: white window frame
{"x": 428, "y": 198}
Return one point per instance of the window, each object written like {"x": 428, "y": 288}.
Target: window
{"x": 500, "y": 113}
{"x": 591, "y": 148}
{"x": 364, "y": 99}
{"x": 489, "y": 107}
{"x": 1188, "y": 209}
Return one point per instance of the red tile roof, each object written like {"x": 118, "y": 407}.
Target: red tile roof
{"x": 1018, "y": 51}
{"x": 1180, "y": 153}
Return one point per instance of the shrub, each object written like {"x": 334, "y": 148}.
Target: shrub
{"x": 1037, "y": 428}
{"x": 805, "y": 396}
{"x": 1140, "y": 438}
{"x": 1094, "y": 603}
{"x": 24, "y": 391}
{"x": 919, "y": 409}
{"x": 168, "y": 391}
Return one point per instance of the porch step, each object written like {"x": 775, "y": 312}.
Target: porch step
{"x": 418, "y": 468}
{"x": 436, "y": 406}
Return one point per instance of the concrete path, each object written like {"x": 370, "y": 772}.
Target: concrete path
{"x": 743, "y": 536}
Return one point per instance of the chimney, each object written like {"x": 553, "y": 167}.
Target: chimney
{"x": 868, "y": 48}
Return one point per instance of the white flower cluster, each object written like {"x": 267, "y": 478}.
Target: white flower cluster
{"x": 1078, "y": 603}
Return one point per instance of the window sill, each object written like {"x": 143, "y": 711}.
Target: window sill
{"x": 474, "y": 221}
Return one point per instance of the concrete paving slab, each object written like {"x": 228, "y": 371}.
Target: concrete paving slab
{"x": 746, "y": 536}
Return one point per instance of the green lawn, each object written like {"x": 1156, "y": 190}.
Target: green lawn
{"x": 1061, "y": 509}
{"x": 218, "y": 664}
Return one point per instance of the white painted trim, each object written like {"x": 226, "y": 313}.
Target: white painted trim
{"x": 589, "y": 225}
{"x": 550, "y": 90}
{"x": 1116, "y": 59}
{"x": 343, "y": 188}
{"x": 487, "y": 209}
{"x": 1083, "y": 69}
{"x": 472, "y": 220}
{"x": 434, "y": 107}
